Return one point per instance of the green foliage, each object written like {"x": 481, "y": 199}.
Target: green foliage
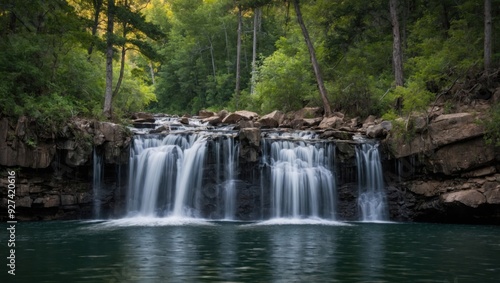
{"x": 283, "y": 82}
{"x": 492, "y": 135}
{"x": 46, "y": 71}
{"x": 181, "y": 55}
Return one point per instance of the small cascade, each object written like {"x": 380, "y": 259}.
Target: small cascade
{"x": 168, "y": 175}
{"x": 98, "y": 172}
{"x": 300, "y": 176}
{"x": 372, "y": 198}
{"x": 226, "y": 153}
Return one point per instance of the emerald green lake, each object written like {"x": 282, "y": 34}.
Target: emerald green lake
{"x": 157, "y": 250}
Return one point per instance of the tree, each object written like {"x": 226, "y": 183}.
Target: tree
{"x": 314, "y": 62}
{"x": 108, "y": 95}
{"x": 131, "y": 23}
{"x": 487, "y": 35}
{"x": 238, "y": 57}
{"x": 397, "y": 54}
{"x": 256, "y": 24}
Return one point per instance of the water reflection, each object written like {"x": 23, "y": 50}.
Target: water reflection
{"x": 304, "y": 254}
{"x": 233, "y": 252}
{"x": 373, "y": 251}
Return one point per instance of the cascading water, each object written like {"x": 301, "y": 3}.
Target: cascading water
{"x": 372, "y": 198}
{"x": 226, "y": 152}
{"x": 301, "y": 179}
{"x": 167, "y": 174}
{"x": 97, "y": 183}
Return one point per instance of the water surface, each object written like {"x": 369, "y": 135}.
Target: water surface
{"x": 177, "y": 250}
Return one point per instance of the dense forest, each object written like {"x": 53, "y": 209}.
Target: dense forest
{"x": 109, "y": 58}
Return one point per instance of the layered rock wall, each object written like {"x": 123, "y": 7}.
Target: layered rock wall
{"x": 54, "y": 167}
{"x": 455, "y": 173}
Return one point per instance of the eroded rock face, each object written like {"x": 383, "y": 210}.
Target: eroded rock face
{"x": 461, "y": 157}
{"x": 54, "y": 181}
{"x": 451, "y": 128}
{"x": 249, "y": 144}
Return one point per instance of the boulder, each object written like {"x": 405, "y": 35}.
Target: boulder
{"x": 308, "y": 112}
{"x": 213, "y": 121}
{"x": 493, "y": 195}
{"x": 242, "y": 124}
{"x": 205, "y": 113}
{"x": 471, "y": 198}
{"x": 331, "y": 122}
{"x": 451, "y": 128}
{"x": 222, "y": 114}
{"x": 272, "y": 120}
{"x": 233, "y": 118}
{"x": 379, "y": 131}
{"x": 184, "y": 120}
{"x": 111, "y": 132}
{"x": 312, "y": 122}
{"x": 370, "y": 120}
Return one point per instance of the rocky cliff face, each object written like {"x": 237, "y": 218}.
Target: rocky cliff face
{"x": 445, "y": 171}
{"x": 54, "y": 167}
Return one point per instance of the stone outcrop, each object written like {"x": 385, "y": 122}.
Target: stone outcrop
{"x": 450, "y": 144}
{"x": 249, "y": 144}
{"x": 54, "y": 180}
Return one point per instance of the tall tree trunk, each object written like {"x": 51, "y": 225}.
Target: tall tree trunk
{"x": 122, "y": 70}
{"x": 238, "y": 59}
{"x": 97, "y": 11}
{"x": 214, "y": 70}
{"x": 228, "y": 56}
{"x": 123, "y": 53}
{"x": 312, "y": 53}
{"x": 152, "y": 72}
{"x": 256, "y": 22}
{"x": 397, "y": 54}
{"x": 108, "y": 97}
{"x": 487, "y": 35}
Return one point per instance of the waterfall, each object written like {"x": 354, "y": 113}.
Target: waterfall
{"x": 168, "y": 175}
{"x": 226, "y": 153}
{"x": 372, "y": 198}
{"x": 98, "y": 172}
{"x": 301, "y": 179}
